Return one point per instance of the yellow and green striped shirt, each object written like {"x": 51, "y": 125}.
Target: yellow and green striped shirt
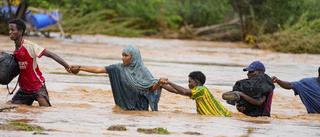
{"x": 207, "y": 104}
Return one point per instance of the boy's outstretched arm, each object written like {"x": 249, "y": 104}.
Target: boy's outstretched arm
{"x": 55, "y": 57}
{"x": 172, "y": 87}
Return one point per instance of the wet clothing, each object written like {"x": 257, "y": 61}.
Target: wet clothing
{"x": 206, "y": 103}
{"x": 309, "y": 91}
{"x": 128, "y": 97}
{"x": 31, "y": 81}
{"x": 136, "y": 73}
{"x": 256, "y": 87}
{"x": 262, "y": 110}
{"x": 9, "y": 68}
{"x": 31, "y": 78}
{"x": 27, "y": 97}
{"x": 268, "y": 109}
{"x": 130, "y": 84}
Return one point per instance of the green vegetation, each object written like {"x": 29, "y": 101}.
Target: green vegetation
{"x": 117, "y": 128}
{"x": 25, "y": 126}
{"x": 158, "y": 130}
{"x": 302, "y": 37}
{"x": 135, "y": 18}
{"x": 264, "y": 16}
{"x": 285, "y": 26}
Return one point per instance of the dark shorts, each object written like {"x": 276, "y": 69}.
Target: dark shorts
{"x": 27, "y": 97}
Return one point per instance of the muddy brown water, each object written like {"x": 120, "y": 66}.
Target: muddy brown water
{"x": 83, "y": 105}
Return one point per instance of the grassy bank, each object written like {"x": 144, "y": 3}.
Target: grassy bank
{"x": 272, "y": 25}
{"x": 303, "y": 37}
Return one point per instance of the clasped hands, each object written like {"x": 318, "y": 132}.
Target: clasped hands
{"x": 163, "y": 81}
{"x": 74, "y": 69}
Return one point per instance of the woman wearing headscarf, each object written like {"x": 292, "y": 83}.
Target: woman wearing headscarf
{"x": 133, "y": 86}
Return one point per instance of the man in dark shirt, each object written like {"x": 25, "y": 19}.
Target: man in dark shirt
{"x": 264, "y": 102}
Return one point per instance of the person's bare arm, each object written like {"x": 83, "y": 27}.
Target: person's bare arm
{"x": 251, "y": 100}
{"x": 178, "y": 89}
{"x": 58, "y": 59}
{"x": 154, "y": 87}
{"x": 157, "y": 85}
{"x": 283, "y": 84}
{"x": 240, "y": 108}
{"x": 92, "y": 69}
{"x": 170, "y": 89}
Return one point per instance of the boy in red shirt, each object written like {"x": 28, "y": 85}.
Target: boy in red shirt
{"x": 31, "y": 81}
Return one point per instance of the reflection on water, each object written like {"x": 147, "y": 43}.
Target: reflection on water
{"x": 83, "y": 105}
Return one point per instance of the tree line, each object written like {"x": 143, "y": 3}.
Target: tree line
{"x": 260, "y": 19}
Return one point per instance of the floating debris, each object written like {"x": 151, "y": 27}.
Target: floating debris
{"x": 192, "y": 133}
{"x": 40, "y": 133}
{"x": 158, "y": 130}
{"x": 18, "y": 126}
{"x": 7, "y": 108}
{"x": 117, "y": 128}
{"x": 249, "y": 132}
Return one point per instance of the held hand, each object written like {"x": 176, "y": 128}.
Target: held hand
{"x": 75, "y": 69}
{"x": 240, "y": 109}
{"x": 275, "y": 79}
{"x": 68, "y": 70}
{"x": 163, "y": 81}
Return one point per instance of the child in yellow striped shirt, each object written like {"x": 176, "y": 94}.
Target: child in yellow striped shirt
{"x": 206, "y": 103}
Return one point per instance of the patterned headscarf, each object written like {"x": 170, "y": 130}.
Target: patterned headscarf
{"x": 137, "y": 74}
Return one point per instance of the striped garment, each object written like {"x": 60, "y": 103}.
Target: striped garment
{"x": 207, "y": 104}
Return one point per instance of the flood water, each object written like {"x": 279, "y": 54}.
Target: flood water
{"x": 83, "y": 105}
